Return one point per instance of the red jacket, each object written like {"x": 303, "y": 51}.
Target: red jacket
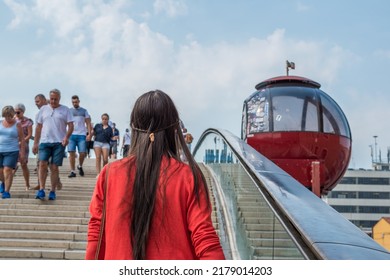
{"x": 181, "y": 229}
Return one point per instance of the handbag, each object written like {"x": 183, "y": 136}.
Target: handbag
{"x": 101, "y": 230}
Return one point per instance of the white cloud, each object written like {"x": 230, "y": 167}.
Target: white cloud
{"x": 302, "y": 7}
{"x": 109, "y": 59}
{"x": 20, "y": 11}
{"x": 171, "y": 8}
{"x": 382, "y": 54}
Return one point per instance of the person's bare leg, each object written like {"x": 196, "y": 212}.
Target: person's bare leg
{"x": 54, "y": 176}
{"x": 105, "y": 153}
{"x": 42, "y": 174}
{"x": 2, "y": 174}
{"x": 98, "y": 153}
{"x": 37, "y": 170}
{"x": 72, "y": 160}
{"x": 8, "y": 178}
{"x": 81, "y": 158}
{"x": 26, "y": 175}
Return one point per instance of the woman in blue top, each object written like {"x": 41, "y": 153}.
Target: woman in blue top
{"x": 11, "y": 134}
{"x": 103, "y": 134}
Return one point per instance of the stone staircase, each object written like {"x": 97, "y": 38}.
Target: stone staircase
{"x": 35, "y": 229}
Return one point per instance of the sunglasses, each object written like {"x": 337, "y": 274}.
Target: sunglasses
{"x": 18, "y": 112}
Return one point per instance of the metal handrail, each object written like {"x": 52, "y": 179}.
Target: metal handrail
{"x": 326, "y": 233}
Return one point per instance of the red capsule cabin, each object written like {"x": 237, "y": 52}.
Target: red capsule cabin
{"x": 291, "y": 121}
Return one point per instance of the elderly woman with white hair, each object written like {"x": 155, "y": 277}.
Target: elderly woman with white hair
{"x": 11, "y": 135}
{"x": 27, "y": 125}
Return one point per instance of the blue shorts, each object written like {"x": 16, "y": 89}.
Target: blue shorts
{"x": 9, "y": 159}
{"x": 55, "y": 151}
{"x": 78, "y": 141}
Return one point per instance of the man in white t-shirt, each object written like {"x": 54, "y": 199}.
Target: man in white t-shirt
{"x": 53, "y": 130}
{"x": 126, "y": 143}
{"x": 81, "y": 134}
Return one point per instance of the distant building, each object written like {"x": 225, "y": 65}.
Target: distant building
{"x": 381, "y": 232}
{"x": 363, "y": 196}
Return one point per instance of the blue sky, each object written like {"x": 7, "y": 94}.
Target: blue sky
{"x": 208, "y": 55}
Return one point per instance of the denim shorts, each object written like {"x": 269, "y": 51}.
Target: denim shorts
{"x": 102, "y": 145}
{"x": 9, "y": 159}
{"x": 55, "y": 151}
{"x": 78, "y": 141}
{"x": 114, "y": 147}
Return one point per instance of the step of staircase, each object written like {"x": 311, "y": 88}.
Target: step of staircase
{"x": 41, "y": 229}
{"x": 35, "y": 229}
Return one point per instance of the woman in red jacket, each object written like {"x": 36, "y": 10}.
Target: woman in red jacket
{"x": 156, "y": 206}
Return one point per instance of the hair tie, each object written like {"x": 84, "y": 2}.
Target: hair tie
{"x": 151, "y": 135}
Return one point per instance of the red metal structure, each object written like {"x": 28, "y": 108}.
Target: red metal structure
{"x": 300, "y": 128}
